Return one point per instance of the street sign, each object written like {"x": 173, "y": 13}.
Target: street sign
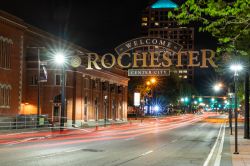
{"x": 148, "y": 72}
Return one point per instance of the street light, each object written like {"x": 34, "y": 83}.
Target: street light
{"x": 153, "y": 80}
{"x": 151, "y": 83}
{"x": 236, "y": 68}
{"x": 230, "y": 95}
{"x": 60, "y": 59}
{"x": 105, "y": 109}
{"x": 38, "y": 80}
{"x": 217, "y": 87}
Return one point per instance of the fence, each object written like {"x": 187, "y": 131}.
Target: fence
{"x": 24, "y": 121}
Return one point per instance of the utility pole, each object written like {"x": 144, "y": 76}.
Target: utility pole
{"x": 38, "y": 81}
{"x": 63, "y": 98}
{"x": 246, "y": 118}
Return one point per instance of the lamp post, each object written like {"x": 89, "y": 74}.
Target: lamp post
{"x": 230, "y": 112}
{"x": 246, "y": 118}
{"x": 151, "y": 83}
{"x": 60, "y": 60}
{"x": 105, "y": 110}
{"x": 38, "y": 80}
{"x": 236, "y": 68}
{"x": 217, "y": 87}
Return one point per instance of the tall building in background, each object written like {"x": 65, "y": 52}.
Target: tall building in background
{"x": 155, "y": 23}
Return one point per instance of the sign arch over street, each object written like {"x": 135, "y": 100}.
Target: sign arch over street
{"x": 146, "y": 42}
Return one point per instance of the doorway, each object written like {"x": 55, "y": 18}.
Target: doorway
{"x": 56, "y": 114}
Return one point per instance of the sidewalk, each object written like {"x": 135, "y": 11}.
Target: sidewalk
{"x": 243, "y": 158}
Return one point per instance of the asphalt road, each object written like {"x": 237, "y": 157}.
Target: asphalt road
{"x": 185, "y": 141}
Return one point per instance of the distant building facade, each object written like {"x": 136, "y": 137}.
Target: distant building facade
{"x": 91, "y": 95}
{"x": 155, "y": 23}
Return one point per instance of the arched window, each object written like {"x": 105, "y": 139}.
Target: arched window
{"x": 6, "y": 46}
{"x": 5, "y": 91}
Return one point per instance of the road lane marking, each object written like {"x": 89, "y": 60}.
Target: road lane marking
{"x": 146, "y": 153}
{"x": 218, "y": 157}
{"x": 212, "y": 150}
{"x": 174, "y": 140}
{"x": 129, "y": 139}
{"x": 73, "y": 150}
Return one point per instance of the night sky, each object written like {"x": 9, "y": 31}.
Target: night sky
{"x": 97, "y": 25}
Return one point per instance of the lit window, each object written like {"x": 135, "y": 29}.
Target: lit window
{"x": 180, "y": 76}
{"x": 180, "y": 71}
{"x": 156, "y": 24}
{"x": 185, "y": 77}
{"x": 152, "y": 18}
{"x": 184, "y": 71}
{"x": 144, "y": 24}
{"x": 145, "y": 19}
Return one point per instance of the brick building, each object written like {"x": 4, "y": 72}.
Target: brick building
{"x": 88, "y": 92}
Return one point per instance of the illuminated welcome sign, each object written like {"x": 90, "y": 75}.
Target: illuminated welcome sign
{"x": 136, "y": 56}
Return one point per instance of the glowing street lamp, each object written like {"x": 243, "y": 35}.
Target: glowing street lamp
{"x": 236, "y": 68}
{"x": 156, "y": 108}
{"x": 153, "y": 80}
{"x": 60, "y": 59}
{"x": 217, "y": 87}
{"x": 151, "y": 83}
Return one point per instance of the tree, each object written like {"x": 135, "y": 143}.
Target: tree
{"x": 228, "y": 21}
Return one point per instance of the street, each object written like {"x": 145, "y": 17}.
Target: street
{"x": 180, "y": 140}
